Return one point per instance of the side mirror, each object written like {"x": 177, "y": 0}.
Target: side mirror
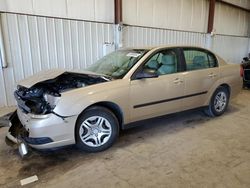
{"x": 146, "y": 74}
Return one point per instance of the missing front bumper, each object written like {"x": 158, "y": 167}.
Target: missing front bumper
{"x": 19, "y": 136}
{"x": 16, "y": 131}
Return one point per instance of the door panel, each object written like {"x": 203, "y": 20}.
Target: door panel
{"x": 153, "y": 97}
{"x": 197, "y": 84}
{"x": 202, "y": 73}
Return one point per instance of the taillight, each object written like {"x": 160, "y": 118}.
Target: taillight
{"x": 241, "y": 71}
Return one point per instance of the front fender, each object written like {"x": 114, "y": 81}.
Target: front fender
{"x": 75, "y": 101}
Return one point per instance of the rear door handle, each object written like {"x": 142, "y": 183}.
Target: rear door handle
{"x": 178, "y": 81}
{"x": 212, "y": 75}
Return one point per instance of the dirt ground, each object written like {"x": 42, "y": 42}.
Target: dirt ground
{"x": 181, "y": 150}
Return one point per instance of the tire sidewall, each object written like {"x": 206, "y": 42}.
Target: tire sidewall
{"x": 102, "y": 112}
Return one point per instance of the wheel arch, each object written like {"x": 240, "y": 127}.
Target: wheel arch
{"x": 213, "y": 90}
{"x": 113, "y": 107}
{"x": 227, "y": 87}
{"x": 209, "y": 110}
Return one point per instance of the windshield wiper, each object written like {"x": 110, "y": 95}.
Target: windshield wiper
{"x": 107, "y": 77}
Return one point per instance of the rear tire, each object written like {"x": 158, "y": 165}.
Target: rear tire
{"x": 218, "y": 103}
{"x": 96, "y": 129}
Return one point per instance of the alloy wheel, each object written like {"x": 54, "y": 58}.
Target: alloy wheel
{"x": 220, "y": 101}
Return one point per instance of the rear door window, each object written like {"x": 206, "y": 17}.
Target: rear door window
{"x": 199, "y": 59}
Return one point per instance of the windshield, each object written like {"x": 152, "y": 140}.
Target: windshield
{"x": 118, "y": 63}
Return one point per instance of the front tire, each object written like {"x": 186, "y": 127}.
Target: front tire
{"x": 218, "y": 103}
{"x": 96, "y": 129}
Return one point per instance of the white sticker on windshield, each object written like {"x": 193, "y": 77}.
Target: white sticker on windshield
{"x": 133, "y": 54}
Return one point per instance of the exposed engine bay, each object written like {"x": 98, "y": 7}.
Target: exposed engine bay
{"x": 42, "y": 97}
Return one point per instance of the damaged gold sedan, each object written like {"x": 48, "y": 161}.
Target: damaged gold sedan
{"x": 88, "y": 108}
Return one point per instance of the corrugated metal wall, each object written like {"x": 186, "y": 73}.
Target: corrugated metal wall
{"x": 34, "y": 43}
{"x": 38, "y": 43}
{"x": 93, "y": 10}
{"x": 242, "y": 3}
{"x": 144, "y": 36}
{"x": 231, "y": 21}
{"x": 231, "y": 48}
{"x": 154, "y": 22}
{"x": 188, "y": 15}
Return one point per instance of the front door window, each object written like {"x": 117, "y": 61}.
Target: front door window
{"x": 162, "y": 63}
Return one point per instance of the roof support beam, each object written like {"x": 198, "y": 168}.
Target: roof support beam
{"x": 118, "y": 11}
{"x": 210, "y": 24}
{"x": 233, "y": 5}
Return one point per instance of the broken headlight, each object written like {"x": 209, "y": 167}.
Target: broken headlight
{"x": 51, "y": 100}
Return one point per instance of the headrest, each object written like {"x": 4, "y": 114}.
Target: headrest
{"x": 168, "y": 60}
{"x": 199, "y": 60}
{"x": 153, "y": 64}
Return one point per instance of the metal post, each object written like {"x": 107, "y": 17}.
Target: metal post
{"x": 118, "y": 24}
{"x": 118, "y": 11}
{"x": 2, "y": 49}
{"x": 210, "y": 25}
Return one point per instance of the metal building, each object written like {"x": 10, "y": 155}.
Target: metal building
{"x": 38, "y": 35}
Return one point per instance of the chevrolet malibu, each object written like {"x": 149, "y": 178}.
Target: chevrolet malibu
{"x": 88, "y": 108}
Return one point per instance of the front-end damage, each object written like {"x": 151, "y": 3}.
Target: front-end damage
{"x": 34, "y": 123}
{"x": 42, "y": 97}
{"x": 17, "y": 134}
{"x": 16, "y": 131}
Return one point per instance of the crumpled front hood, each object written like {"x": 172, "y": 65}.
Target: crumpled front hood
{"x": 47, "y": 75}
{"x": 41, "y": 76}
{"x": 39, "y": 94}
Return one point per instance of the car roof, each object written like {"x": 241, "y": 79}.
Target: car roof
{"x": 162, "y": 47}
